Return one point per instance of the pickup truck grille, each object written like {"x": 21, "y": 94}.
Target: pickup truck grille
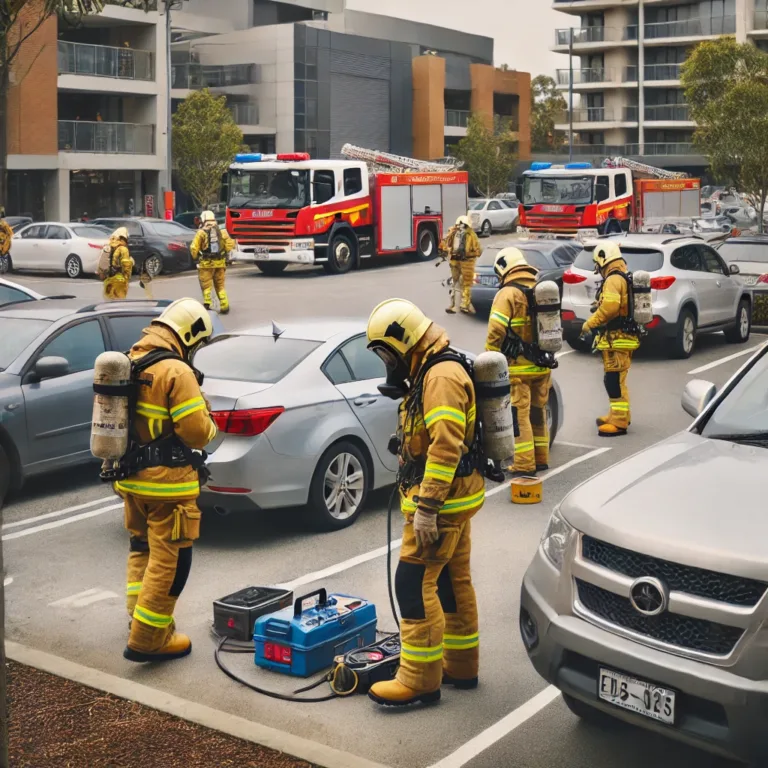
{"x": 670, "y": 628}
{"x": 262, "y": 232}
{"x": 699, "y": 582}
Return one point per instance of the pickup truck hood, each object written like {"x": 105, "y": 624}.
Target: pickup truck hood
{"x": 689, "y": 499}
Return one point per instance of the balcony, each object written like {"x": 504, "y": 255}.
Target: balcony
{"x": 245, "y": 113}
{"x": 675, "y": 113}
{"x": 585, "y": 76}
{"x": 760, "y": 21}
{"x": 629, "y": 75}
{"x": 663, "y": 150}
{"x": 149, "y": 5}
{"x": 630, "y": 114}
{"x": 198, "y": 76}
{"x": 706, "y": 27}
{"x": 586, "y": 115}
{"x": 662, "y": 72}
{"x": 106, "y": 138}
{"x": 105, "y": 61}
{"x": 457, "y": 118}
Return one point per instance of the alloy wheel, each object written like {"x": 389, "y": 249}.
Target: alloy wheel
{"x": 689, "y": 332}
{"x": 73, "y": 267}
{"x": 343, "y": 486}
{"x": 744, "y": 323}
{"x": 153, "y": 265}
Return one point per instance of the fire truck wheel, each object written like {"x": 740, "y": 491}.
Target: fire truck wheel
{"x": 341, "y": 256}
{"x": 427, "y": 245}
{"x": 272, "y": 268}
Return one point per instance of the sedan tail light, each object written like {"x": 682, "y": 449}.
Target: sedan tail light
{"x": 247, "y": 423}
{"x": 654, "y": 323}
{"x": 95, "y": 245}
{"x": 568, "y": 314}
{"x": 762, "y": 279}
{"x": 177, "y": 247}
{"x": 572, "y": 278}
{"x": 662, "y": 283}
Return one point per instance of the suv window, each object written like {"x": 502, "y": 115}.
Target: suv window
{"x": 353, "y": 181}
{"x": 364, "y": 363}
{"x": 79, "y": 345}
{"x": 687, "y": 259}
{"x": 648, "y": 259}
{"x": 57, "y": 233}
{"x": 711, "y": 261}
{"x": 126, "y": 329}
{"x": 494, "y": 205}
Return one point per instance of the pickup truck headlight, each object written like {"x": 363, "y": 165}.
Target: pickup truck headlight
{"x": 302, "y": 245}
{"x": 555, "y": 538}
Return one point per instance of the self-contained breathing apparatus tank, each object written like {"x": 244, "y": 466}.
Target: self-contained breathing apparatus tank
{"x": 105, "y": 262}
{"x": 491, "y": 379}
{"x": 111, "y": 410}
{"x": 548, "y": 329}
{"x": 642, "y": 307}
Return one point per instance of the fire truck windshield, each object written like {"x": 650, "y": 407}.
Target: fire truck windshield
{"x": 566, "y": 190}
{"x": 287, "y": 188}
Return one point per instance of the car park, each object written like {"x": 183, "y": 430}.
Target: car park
{"x": 492, "y": 215}
{"x": 647, "y": 599}
{"x": 155, "y": 244}
{"x": 693, "y": 291}
{"x": 550, "y": 257}
{"x": 301, "y": 421}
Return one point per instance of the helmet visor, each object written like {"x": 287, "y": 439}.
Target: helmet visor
{"x": 390, "y": 358}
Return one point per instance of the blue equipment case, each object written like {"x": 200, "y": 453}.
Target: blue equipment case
{"x": 301, "y": 643}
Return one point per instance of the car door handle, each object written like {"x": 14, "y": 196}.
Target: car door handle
{"x": 12, "y": 406}
{"x": 364, "y": 400}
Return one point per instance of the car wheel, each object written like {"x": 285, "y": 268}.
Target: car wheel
{"x": 5, "y": 477}
{"x": 339, "y": 488}
{"x": 552, "y": 416}
{"x": 272, "y": 268}
{"x": 739, "y": 333}
{"x": 589, "y": 714}
{"x": 427, "y": 245}
{"x": 73, "y": 266}
{"x": 574, "y": 342}
{"x": 6, "y": 265}
{"x": 341, "y": 256}
{"x": 486, "y": 230}
{"x": 681, "y": 346}
{"x": 153, "y": 264}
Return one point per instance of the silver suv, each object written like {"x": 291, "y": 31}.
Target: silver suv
{"x": 694, "y": 291}
{"x": 647, "y": 599}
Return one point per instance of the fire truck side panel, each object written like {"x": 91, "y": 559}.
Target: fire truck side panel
{"x": 667, "y": 199}
{"x": 395, "y": 219}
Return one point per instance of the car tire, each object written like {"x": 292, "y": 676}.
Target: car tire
{"x": 153, "y": 264}
{"x": 739, "y": 333}
{"x": 590, "y": 714}
{"x": 575, "y": 343}
{"x": 73, "y": 266}
{"x": 426, "y": 245}
{"x": 487, "y": 229}
{"x": 272, "y": 268}
{"x": 322, "y": 514}
{"x": 682, "y": 344}
{"x": 341, "y": 256}
{"x": 6, "y": 265}
{"x": 5, "y": 477}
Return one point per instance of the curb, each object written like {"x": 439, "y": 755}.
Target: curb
{"x": 239, "y": 727}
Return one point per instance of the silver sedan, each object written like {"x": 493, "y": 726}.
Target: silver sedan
{"x": 301, "y": 421}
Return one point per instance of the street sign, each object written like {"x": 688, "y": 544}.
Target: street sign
{"x": 149, "y": 205}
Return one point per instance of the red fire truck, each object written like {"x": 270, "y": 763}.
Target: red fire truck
{"x": 288, "y": 209}
{"x": 621, "y": 196}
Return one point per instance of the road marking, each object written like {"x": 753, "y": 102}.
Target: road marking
{"x": 727, "y": 359}
{"x": 82, "y": 599}
{"x": 59, "y": 523}
{"x": 60, "y": 513}
{"x": 499, "y": 730}
{"x": 576, "y": 445}
{"x": 7, "y": 581}
{"x": 563, "y": 354}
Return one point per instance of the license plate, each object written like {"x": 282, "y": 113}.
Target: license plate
{"x": 750, "y": 280}
{"x": 490, "y": 280}
{"x": 638, "y": 696}
{"x": 261, "y": 253}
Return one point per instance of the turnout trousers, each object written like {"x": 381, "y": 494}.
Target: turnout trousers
{"x": 616, "y": 364}
{"x": 115, "y": 287}
{"x": 462, "y": 274}
{"x": 530, "y": 396}
{"x": 213, "y": 278}
{"x": 438, "y": 626}
{"x": 159, "y": 561}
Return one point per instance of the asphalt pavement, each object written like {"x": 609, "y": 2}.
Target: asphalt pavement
{"x": 65, "y": 550}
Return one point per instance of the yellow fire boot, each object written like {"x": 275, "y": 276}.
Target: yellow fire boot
{"x": 459, "y": 683}
{"x": 392, "y": 693}
{"x": 610, "y": 430}
{"x": 176, "y": 647}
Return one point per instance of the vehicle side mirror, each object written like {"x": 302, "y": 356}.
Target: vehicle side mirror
{"x": 733, "y": 269}
{"x": 50, "y": 368}
{"x": 697, "y": 395}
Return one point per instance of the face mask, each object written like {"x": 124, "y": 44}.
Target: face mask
{"x": 395, "y": 386}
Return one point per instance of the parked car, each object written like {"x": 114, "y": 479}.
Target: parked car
{"x": 647, "y": 599}
{"x": 13, "y": 293}
{"x": 157, "y": 244}
{"x": 489, "y": 216}
{"x": 17, "y": 222}
{"x": 46, "y": 378}
{"x": 551, "y": 257}
{"x": 749, "y": 252}
{"x": 191, "y": 219}
{"x": 693, "y": 291}
{"x": 73, "y": 249}
{"x": 301, "y": 421}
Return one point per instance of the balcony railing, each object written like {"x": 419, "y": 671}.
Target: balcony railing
{"x": 722, "y": 25}
{"x": 198, "y": 76}
{"x": 666, "y": 149}
{"x": 630, "y": 114}
{"x": 457, "y": 118}
{"x": 628, "y": 150}
{"x": 593, "y": 150}
{"x": 106, "y": 138}
{"x": 760, "y": 20}
{"x": 105, "y": 61}
{"x": 629, "y": 75}
{"x": 586, "y": 35}
{"x": 630, "y": 32}
{"x": 587, "y": 115}
{"x": 245, "y": 114}
{"x": 149, "y": 5}
{"x": 668, "y": 112}
{"x": 585, "y": 76}
{"x": 662, "y": 71}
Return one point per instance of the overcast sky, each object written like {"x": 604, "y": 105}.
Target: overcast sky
{"x": 523, "y": 29}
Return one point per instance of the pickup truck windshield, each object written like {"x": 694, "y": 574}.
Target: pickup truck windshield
{"x": 269, "y": 189}
{"x": 569, "y": 190}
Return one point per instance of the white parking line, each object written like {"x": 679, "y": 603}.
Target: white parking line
{"x": 60, "y": 523}
{"x": 59, "y": 513}
{"x": 723, "y": 360}
{"x": 83, "y": 599}
{"x": 576, "y": 445}
{"x": 7, "y": 581}
{"x": 563, "y": 354}
{"x": 499, "y": 730}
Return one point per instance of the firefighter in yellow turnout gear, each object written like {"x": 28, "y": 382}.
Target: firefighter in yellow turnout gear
{"x": 615, "y": 342}
{"x": 529, "y": 383}
{"x": 440, "y": 491}
{"x": 463, "y": 249}
{"x": 161, "y": 513}
{"x": 117, "y": 276}
{"x": 210, "y": 249}
{"x": 6, "y": 236}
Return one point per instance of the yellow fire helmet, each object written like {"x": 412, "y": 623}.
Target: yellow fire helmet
{"x": 207, "y": 217}
{"x": 121, "y": 233}
{"x": 507, "y": 260}
{"x": 189, "y": 320}
{"x": 605, "y": 253}
{"x": 397, "y": 324}
{"x": 463, "y": 220}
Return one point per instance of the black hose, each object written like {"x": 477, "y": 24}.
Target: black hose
{"x": 392, "y": 604}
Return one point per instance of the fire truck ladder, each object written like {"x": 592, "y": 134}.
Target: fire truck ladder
{"x": 387, "y": 163}
{"x": 648, "y": 170}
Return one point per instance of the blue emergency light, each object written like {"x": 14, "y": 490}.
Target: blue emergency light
{"x": 578, "y": 166}
{"x": 540, "y": 166}
{"x": 258, "y": 157}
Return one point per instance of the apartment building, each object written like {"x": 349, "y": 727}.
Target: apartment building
{"x": 627, "y": 56}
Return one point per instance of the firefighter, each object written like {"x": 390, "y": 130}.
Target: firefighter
{"x": 118, "y": 274}
{"x": 161, "y": 513}
{"x": 462, "y": 247}
{"x": 614, "y": 339}
{"x": 441, "y": 489}
{"x": 6, "y": 236}
{"x": 529, "y": 383}
{"x": 210, "y": 249}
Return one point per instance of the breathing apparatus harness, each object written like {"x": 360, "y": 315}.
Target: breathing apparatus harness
{"x": 208, "y": 252}
{"x": 514, "y": 346}
{"x": 627, "y": 323}
{"x": 169, "y": 451}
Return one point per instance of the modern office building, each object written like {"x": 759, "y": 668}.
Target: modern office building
{"x": 626, "y": 71}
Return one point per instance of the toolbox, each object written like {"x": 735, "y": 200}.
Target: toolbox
{"x": 303, "y": 640}
{"x": 234, "y": 616}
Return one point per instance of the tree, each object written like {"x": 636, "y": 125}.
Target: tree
{"x": 547, "y": 103}
{"x": 488, "y": 155}
{"x": 205, "y": 141}
{"x": 726, "y": 86}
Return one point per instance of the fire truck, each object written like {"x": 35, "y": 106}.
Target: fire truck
{"x": 289, "y": 209}
{"x": 620, "y": 196}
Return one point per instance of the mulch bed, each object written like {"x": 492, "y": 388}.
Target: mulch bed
{"x": 56, "y": 723}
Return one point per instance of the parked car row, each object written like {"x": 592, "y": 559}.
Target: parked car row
{"x": 493, "y": 215}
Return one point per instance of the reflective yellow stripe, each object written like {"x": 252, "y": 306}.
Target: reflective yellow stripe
{"x": 146, "y": 616}
{"x": 618, "y": 344}
{"x": 611, "y": 297}
{"x": 444, "y": 413}
{"x": 519, "y": 321}
{"x": 152, "y": 410}
{"x": 161, "y": 490}
{"x": 541, "y": 441}
{"x": 620, "y": 407}
{"x": 472, "y": 413}
{"x": 450, "y": 507}
{"x": 439, "y": 472}
{"x": 421, "y": 655}
{"x": 522, "y": 370}
{"x": 461, "y": 642}
{"x": 499, "y": 317}
{"x": 525, "y": 447}
{"x": 187, "y": 408}
{"x": 133, "y": 588}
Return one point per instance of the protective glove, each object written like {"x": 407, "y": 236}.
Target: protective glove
{"x": 425, "y": 527}
{"x": 586, "y": 332}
